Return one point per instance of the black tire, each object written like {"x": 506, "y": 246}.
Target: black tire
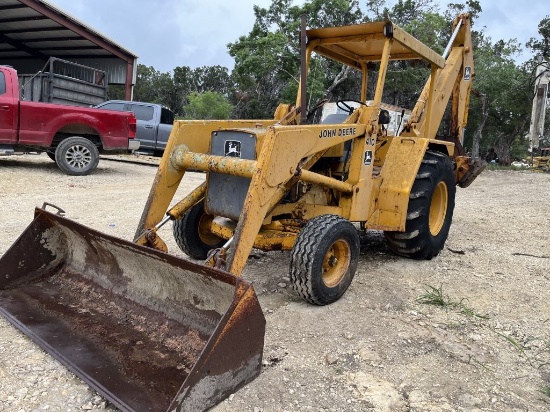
{"x": 51, "y": 155}
{"x": 430, "y": 210}
{"x": 77, "y": 156}
{"x": 324, "y": 259}
{"x": 190, "y": 235}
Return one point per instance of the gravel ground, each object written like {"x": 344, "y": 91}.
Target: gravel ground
{"x": 377, "y": 349}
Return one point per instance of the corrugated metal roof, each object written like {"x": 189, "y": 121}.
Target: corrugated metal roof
{"x": 32, "y": 31}
{"x": 36, "y": 29}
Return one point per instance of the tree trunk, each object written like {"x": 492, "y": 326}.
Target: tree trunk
{"x": 503, "y": 153}
{"x": 479, "y": 131}
{"x": 343, "y": 75}
{"x": 506, "y": 142}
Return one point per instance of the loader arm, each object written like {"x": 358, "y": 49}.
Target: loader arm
{"x": 168, "y": 178}
{"x": 270, "y": 174}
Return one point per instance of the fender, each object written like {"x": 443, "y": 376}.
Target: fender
{"x": 391, "y": 196}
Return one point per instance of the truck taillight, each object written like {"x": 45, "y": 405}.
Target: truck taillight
{"x": 132, "y": 126}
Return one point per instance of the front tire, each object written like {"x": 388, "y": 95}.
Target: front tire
{"x": 192, "y": 235}
{"x": 430, "y": 210}
{"x": 77, "y": 156}
{"x": 324, "y": 259}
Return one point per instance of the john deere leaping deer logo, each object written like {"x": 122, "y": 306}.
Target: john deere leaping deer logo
{"x": 232, "y": 148}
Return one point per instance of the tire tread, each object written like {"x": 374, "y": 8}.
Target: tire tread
{"x": 314, "y": 234}
{"x": 416, "y": 241}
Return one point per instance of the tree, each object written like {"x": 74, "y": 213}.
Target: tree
{"x": 213, "y": 79}
{"x": 144, "y": 89}
{"x": 172, "y": 89}
{"x": 267, "y": 60}
{"x": 207, "y": 106}
{"x": 499, "y": 109}
{"x": 406, "y": 12}
{"x": 541, "y": 60}
{"x": 405, "y": 80}
{"x": 541, "y": 47}
{"x": 471, "y": 6}
{"x": 156, "y": 87}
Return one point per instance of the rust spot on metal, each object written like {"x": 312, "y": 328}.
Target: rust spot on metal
{"x": 142, "y": 343}
{"x": 154, "y": 241}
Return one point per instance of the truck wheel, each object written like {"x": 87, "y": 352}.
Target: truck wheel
{"x": 192, "y": 235}
{"x": 430, "y": 210}
{"x": 76, "y": 156}
{"x": 324, "y": 259}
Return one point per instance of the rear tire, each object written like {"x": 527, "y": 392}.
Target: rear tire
{"x": 324, "y": 259}
{"x": 191, "y": 234}
{"x": 430, "y": 210}
{"x": 77, "y": 156}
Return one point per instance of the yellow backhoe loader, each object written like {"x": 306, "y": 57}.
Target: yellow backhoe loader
{"x": 153, "y": 332}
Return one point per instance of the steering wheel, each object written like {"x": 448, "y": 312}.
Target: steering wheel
{"x": 342, "y": 105}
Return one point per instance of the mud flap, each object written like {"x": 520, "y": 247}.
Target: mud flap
{"x": 147, "y": 330}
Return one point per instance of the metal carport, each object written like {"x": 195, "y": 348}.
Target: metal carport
{"x": 31, "y": 31}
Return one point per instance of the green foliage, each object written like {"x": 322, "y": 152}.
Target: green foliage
{"x": 172, "y": 89}
{"x": 267, "y": 60}
{"x": 404, "y": 80}
{"x": 156, "y": 87}
{"x": 506, "y": 88}
{"x": 535, "y": 350}
{"x": 207, "y": 106}
{"x": 470, "y": 6}
{"x": 435, "y": 296}
{"x": 116, "y": 92}
{"x": 541, "y": 47}
{"x": 405, "y": 12}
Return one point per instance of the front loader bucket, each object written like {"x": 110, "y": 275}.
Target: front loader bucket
{"x": 147, "y": 330}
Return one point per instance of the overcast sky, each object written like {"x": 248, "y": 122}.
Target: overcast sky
{"x": 170, "y": 33}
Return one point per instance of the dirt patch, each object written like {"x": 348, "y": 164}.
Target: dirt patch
{"x": 484, "y": 346}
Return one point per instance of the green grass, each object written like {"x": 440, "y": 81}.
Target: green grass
{"x": 536, "y": 351}
{"x": 512, "y": 341}
{"x": 435, "y": 296}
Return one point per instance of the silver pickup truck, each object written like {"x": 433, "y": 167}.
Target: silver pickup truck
{"x": 154, "y": 123}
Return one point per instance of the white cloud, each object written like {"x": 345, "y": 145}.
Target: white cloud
{"x": 170, "y": 33}
{"x": 513, "y": 19}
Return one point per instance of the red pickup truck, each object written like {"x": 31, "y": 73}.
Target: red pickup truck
{"x": 72, "y": 136}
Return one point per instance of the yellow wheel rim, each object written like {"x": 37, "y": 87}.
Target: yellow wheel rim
{"x": 336, "y": 263}
{"x": 438, "y": 208}
{"x": 205, "y": 234}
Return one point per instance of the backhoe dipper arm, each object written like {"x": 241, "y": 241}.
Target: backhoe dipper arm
{"x": 463, "y": 84}
{"x": 455, "y": 79}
